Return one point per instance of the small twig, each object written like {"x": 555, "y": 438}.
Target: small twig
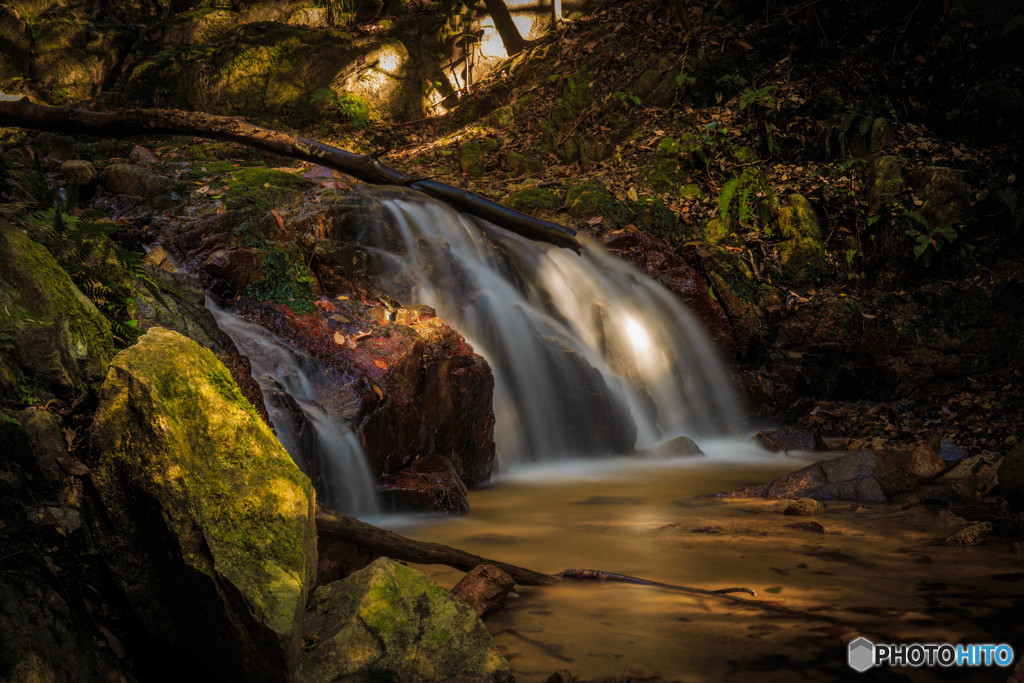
{"x": 723, "y": 593}
{"x": 625, "y": 578}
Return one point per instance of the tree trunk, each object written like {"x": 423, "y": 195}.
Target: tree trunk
{"x": 332, "y": 526}
{"x": 126, "y": 123}
{"x": 514, "y": 42}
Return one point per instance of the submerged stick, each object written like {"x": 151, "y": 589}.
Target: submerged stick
{"x": 722, "y": 593}
{"x": 125, "y": 123}
{"x": 625, "y": 578}
{"x": 346, "y": 528}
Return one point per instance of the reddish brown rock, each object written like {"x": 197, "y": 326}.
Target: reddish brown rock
{"x": 429, "y": 484}
{"x": 485, "y": 588}
{"x": 850, "y": 477}
{"x": 925, "y": 461}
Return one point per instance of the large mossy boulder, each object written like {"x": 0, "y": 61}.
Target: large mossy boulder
{"x": 205, "y": 522}
{"x": 802, "y": 251}
{"x": 53, "y": 341}
{"x": 388, "y": 622}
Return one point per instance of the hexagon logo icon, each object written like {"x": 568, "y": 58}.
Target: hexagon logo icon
{"x": 861, "y": 655}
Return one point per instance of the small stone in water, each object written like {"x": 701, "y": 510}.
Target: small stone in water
{"x": 802, "y": 506}
{"x": 947, "y": 517}
{"x": 972, "y": 535}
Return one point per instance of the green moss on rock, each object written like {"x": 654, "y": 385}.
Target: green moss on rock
{"x": 802, "y": 252}
{"x": 390, "y": 622}
{"x": 590, "y": 198}
{"x": 534, "y": 198}
{"x": 53, "y": 340}
{"x": 200, "y": 499}
{"x": 519, "y": 164}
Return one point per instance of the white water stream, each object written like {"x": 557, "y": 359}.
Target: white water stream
{"x": 590, "y": 356}
{"x": 327, "y": 449}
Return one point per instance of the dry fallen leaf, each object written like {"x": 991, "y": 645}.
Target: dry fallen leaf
{"x": 380, "y": 393}
{"x": 277, "y": 216}
{"x": 339, "y": 339}
{"x": 381, "y": 364}
{"x": 633, "y": 195}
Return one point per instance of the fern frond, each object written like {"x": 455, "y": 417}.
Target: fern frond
{"x": 726, "y": 197}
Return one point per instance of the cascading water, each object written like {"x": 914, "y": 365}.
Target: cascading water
{"x": 323, "y": 446}
{"x": 589, "y": 355}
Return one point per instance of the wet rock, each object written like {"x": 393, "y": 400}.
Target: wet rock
{"x": 978, "y": 471}
{"x": 1011, "y": 477}
{"x": 948, "y": 518}
{"x": 198, "y": 498}
{"x": 970, "y": 535}
{"x": 416, "y": 389}
{"x": 55, "y": 342}
{"x": 857, "y": 476}
{"x": 390, "y": 622}
{"x": 231, "y": 270}
{"x": 429, "y": 484}
{"x": 925, "y": 461}
{"x": 338, "y": 264}
{"x": 791, "y": 439}
{"x": 137, "y": 181}
{"x": 802, "y": 507}
{"x": 673, "y": 448}
{"x": 485, "y": 588}
{"x": 813, "y": 526}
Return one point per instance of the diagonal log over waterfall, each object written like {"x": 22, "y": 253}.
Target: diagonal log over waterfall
{"x": 24, "y": 113}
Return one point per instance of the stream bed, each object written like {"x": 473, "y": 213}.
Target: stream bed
{"x": 879, "y": 567}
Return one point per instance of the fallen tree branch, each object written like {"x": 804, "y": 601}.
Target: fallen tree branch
{"x": 345, "y": 528}
{"x": 125, "y": 123}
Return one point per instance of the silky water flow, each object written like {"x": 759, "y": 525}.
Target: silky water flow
{"x": 590, "y": 356}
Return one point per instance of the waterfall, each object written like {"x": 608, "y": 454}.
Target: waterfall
{"x": 322, "y": 445}
{"x": 589, "y": 355}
